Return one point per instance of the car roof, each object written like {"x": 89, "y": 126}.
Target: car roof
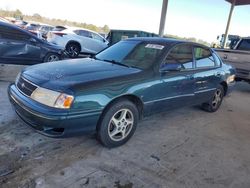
{"x": 17, "y": 28}
{"x": 169, "y": 41}
{"x": 80, "y": 28}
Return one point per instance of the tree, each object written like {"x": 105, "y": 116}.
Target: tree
{"x": 37, "y": 16}
{"x": 18, "y": 14}
{"x": 105, "y": 29}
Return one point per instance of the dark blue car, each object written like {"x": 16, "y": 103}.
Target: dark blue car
{"x": 111, "y": 92}
{"x": 18, "y": 46}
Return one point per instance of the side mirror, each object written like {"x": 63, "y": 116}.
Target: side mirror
{"x": 32, "y": 40}
{"x": 170, "y": 67}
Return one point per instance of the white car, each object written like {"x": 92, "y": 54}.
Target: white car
{"x": 78, "y": 40}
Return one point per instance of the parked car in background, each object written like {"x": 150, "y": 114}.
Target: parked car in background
{"x": 231, "y": 41}
{"x": 116, "y": 35}
{"x": 110, "y": 92}
{"x": 44, "y": 29}
{"x": 31, "y": 27}
{"x": 21, "y": 23}
{"x": 59, "y": 28}
{"x": 239, "y": 57}
{"x": 18, "y": 46}
{"x": 4, "y": 20}
{"x": 78, "y": 40}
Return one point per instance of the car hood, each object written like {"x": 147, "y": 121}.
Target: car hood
{"x": 63, "y": 75}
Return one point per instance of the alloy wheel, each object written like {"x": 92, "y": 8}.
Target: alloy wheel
{"x": 120, "y": 124}
{"x": 53, "y": 58}
{"x": 217, "y": 98}
{"x": 73, "y": 51}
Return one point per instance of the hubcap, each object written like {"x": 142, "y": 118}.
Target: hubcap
{"x": 217, "y": 98}
{"x": 121, "y": 124}
{"x": 53, "y": 58}
{"x": 73, "y": 51}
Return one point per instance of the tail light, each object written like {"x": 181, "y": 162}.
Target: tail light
{"x": 59, "y": 34}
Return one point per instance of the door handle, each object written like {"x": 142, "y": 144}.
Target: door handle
{"x": 217, "y": 74}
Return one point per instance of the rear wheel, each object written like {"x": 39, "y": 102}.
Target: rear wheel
{"x": 118, "y": 124}
{"x": 214, "y": 103}
{"x": 50, "y": 57}
{"x": 73, "y": 50}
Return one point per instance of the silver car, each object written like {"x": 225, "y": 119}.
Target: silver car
{"x": 78, "y": 40}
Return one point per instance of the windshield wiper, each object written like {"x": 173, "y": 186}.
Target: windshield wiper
{"x": 115, "y": 62}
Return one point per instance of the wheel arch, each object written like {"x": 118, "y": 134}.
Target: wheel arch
{"x": 225, "y": 86}
{"x": 130, "y": 97}
{"x": 74, "y": 42}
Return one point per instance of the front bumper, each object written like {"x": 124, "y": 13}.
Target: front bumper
{"x": 50, "y": 121}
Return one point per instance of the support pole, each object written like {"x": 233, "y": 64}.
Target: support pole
{"x": 163, "y": 17}
{"x": 228, "y": 23}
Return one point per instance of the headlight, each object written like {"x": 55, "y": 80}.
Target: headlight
{"x": 231, "y": 79}
{"x": 52, "y": 98}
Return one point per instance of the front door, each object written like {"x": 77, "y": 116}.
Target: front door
{"x": 176, "y": 86}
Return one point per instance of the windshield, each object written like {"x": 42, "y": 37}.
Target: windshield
{"x": 136, "y": 54}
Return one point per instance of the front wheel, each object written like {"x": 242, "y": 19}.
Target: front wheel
{"x": 51, "y": 57}
{"x": 214, "y": 103}
{"x": 118, "y": 124}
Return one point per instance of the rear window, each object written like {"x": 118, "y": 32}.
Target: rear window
{"x": 203, "y": 58}
{"x": 13, "y": 34}
{"x": 244, "y": 45}
{"x": 82, "y": 33}
{"x": 59, "y": 28}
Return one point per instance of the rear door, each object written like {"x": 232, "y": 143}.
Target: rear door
{"x": 207, "y": 74}
{"x": 17, "y": 46}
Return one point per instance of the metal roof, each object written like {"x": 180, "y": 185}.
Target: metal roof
{"x": 239, "y": 2}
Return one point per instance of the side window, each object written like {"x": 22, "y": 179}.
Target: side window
{"x": 182, "y": 56}
{"x": 13, "y": 34}
{"x": 97, "y": 37}
{"x": 82, "y": 33}
{"x": 244, "y": 45}
{"x": 203, "y": 58}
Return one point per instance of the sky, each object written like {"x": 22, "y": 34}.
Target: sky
{"x": 202, "y": 19}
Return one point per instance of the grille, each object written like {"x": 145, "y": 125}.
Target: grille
{"x": 25, "y": 86}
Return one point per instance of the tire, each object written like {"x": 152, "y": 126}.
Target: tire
{"x": 73, "y": 50}
{"x": 215, "y": 102}
{"x": 51, "y": 57}
{"x": 118, "y": 124}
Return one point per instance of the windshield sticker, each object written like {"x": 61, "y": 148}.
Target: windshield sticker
{"x": 155, "y": 46}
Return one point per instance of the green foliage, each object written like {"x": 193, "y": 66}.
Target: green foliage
{"x": 38, "y": 18}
